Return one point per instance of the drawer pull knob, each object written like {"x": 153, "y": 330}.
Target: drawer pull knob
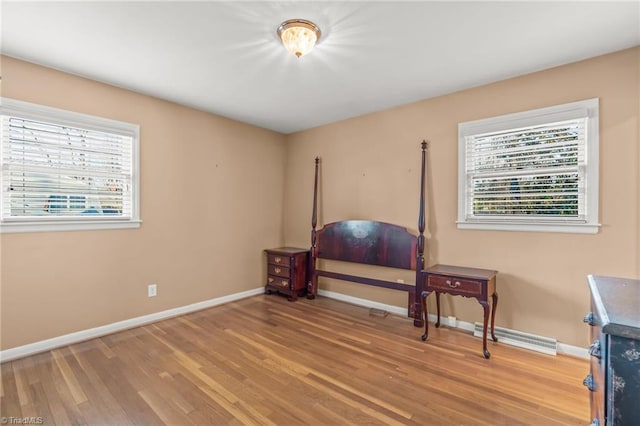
{"x": 285, "y": 283}
{"x": 594, "y": 349}
{"x": 270, "y": 280}
{"x": 453, "y": 285}
{"x": 588, "y": 382}
{"x": 278, "y": 259}
{"x": 277, "y": 270}
{"x": 589, "y": 319}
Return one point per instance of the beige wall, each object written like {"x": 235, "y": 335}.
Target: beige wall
{"x": 370, "y": 170}
{"x": 57, "y": 283}
{"x": 211, "y": 201}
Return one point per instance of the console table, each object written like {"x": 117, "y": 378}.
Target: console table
{"x": 466, "y": 282}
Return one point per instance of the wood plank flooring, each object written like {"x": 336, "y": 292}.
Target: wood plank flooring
{"x": 267, "y": 361}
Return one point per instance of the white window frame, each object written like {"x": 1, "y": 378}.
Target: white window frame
{"x": 30, "y": 111}
{"x": 588, "y": 169}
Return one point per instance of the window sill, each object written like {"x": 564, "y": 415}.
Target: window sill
{"x": 571, "y": 228}
{"x": 67, "y": 225}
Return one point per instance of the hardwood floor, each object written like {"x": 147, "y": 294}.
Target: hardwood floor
{"x": 265, "y": 360}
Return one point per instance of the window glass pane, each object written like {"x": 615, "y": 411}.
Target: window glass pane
{"x": 534, "y": 167}
{"x": 542, "y": 195}
{"x": 62, "y": 170}
{"x": 56, "y": 170}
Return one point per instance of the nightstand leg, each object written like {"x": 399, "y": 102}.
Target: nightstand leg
{"x": 424, "y": 295}
{"x": 493, "y": 316}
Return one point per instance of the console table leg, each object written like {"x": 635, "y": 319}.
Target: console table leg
{"x": 493, "y": 316}
{"x": 485, "y": 352}
{"x": 424, "y": 295}
{"x": 438, "y": 308}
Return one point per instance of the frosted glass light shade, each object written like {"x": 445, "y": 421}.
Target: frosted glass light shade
{"x": 298, "y": 36}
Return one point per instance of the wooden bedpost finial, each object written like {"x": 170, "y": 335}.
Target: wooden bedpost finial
{"x": 312, "y": 285}
{"x": 314, "y": 213}
{"x": 418, "y": 320}
{"x": 421, "y": 210}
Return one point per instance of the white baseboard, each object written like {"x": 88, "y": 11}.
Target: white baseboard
{"x": 575, "y": 351}
{"x": 562, "y": 348}
{"x": 363, "y": 302}
{"x": 79, "y": 336}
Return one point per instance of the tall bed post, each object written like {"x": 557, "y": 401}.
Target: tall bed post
{"x": 418, "y": 320}
{"x": 312, "y": 285}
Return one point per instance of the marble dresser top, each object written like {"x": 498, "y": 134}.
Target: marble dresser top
{"x": 618, "y": 303}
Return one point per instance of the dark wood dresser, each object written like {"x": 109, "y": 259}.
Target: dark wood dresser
{"x": 287, "y": 271}
{"x": 614, "y": 377}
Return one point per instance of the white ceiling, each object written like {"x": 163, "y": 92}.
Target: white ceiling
{"x": 225, "y": 57}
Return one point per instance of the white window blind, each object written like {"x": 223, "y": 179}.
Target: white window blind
{"x": 65, "y": 168}
{"x": 530, "y": 174}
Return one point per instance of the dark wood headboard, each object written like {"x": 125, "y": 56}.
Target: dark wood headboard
{"x": 365, "y": 241}
{"x": 372, "y": 243}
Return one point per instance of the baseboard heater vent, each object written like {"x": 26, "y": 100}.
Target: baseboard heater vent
{"x": 520, "y": 339}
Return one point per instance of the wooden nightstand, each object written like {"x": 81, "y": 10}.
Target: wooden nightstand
{"x": 467, "y": 282}
{"x": 287, "y": 271}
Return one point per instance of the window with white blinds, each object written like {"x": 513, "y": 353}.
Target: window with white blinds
{"x": 536, "y": 170}
{"x": 62, "y": 170}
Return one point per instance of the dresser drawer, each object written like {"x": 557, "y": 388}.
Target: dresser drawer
{"x": 277, "y": 259}
{"x": 454, "y": 285}
{"x": 280, "y": 271}
{"x": 278, "y": 281}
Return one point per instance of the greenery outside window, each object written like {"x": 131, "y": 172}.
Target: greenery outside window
{"x": 531, "y": 171}
{"x": 61, "y": 170}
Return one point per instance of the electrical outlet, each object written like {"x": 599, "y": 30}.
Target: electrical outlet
{"x": 152, "y": 290}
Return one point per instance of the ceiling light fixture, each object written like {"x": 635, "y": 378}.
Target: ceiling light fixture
{"x": 298, "y": 36}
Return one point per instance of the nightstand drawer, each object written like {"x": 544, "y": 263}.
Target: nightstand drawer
{"x": 277, "y": 259}
{"x": 280, "y": 271}
{"x": 278, "y": 281}
{"x": 454, "y": 285}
